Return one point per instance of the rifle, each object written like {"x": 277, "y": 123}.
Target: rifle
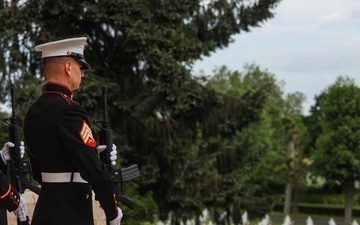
{"x": 118, "y": 175}
{"x": 18, "y": 168}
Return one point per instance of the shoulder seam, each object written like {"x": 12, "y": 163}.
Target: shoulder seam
{"x": 65, "y": 97}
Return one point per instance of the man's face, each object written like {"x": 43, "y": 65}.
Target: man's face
{"x": 77, "y": 74}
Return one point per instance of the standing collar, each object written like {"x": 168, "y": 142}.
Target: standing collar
{"x": 54, "y": 87}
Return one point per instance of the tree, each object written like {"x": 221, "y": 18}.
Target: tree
{"x": 250, "y": 158}
{"x": 337, "y": 153}
{"x": 139, "y": 39}
{"x": 143, "y": 51}
{"x": 296, "y": 134}
{"x": 290, "y": 135}
{"x": 3, "y": 130}
{"x": 312, "y": 122}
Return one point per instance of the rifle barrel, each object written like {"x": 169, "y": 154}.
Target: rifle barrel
{"x": 118, "y": 175}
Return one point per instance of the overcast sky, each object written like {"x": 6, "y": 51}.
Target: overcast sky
{"x": 308, "y": 44}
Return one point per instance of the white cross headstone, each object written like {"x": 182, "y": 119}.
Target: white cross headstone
{"x": 309, "y": 221}
{"x": 332, "y": 222}
{"x": 205, "y": 216}
{"x": 287, "y": 220}
{"x": 244, "y": 218}
{"x": 265, "y": 220}
{"x": 354, "y": 223}
{"x": 190, "y": 222}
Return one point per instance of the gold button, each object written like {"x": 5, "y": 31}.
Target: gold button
{"x": 87, "y": 196}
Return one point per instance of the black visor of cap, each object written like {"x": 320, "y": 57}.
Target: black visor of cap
{"x": 80, "y": 58}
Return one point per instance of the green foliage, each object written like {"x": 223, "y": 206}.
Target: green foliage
{"x": 250, "y": 157}
{"x": 4, "y": 134}
{"x": 337, "y": 151}
{"x": 320, "y": 211}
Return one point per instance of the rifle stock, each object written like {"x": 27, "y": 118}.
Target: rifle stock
{"x": 117, "y": 175}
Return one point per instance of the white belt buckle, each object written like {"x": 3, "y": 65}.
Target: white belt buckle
{"x": 78, "y": 179}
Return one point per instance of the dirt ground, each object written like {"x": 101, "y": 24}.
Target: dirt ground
{"x": 30, "y": 198}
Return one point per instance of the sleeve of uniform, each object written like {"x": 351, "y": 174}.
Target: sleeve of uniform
{"x": 2, "y": 166}
{"x": 77, "y": 135}
{"x": 35, "y": 170}
{"x": 9, "y": 197}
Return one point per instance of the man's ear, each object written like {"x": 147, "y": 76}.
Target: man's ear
{"x": 68, "y": 67}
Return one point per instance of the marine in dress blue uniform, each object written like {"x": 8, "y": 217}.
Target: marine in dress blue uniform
{"x": 62, "y": 148}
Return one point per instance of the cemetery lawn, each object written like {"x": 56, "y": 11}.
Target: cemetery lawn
{"x": 300, "y": 218}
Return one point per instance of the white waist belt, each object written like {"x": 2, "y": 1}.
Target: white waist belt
{"x": 62, "y": 177}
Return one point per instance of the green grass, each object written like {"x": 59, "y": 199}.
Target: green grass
{"x": 304, "y": 216}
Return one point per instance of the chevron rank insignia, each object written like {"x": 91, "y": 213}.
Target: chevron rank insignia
{"x": 86, "y": 135}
